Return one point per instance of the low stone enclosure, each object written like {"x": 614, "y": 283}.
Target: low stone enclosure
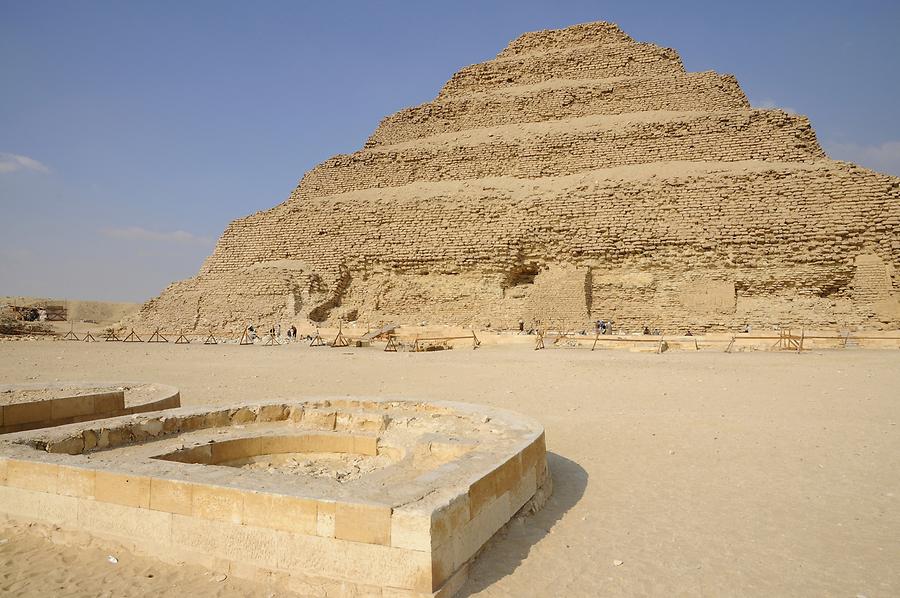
{"x": 345, "y": 497}
{"x": 31, "y": 406}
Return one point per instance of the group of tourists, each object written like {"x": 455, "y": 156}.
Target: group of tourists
{"x": 274, "y": 332}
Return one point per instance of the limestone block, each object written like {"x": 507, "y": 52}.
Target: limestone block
{"x": 325, "y": 518}
{"x": 481, "y": 493}
{"x": 75, "y": 481}
{"x": 243, "y": 416}
{"x": 269, "y": 413}
{"x": 280, "y": 512}
{"x": 124, "y": 522}
{"x": 479, "y": 530}
{"x": 126, "y": 490}
{"x": 27, "y": 413}
{"x": 217, "y": 503}
{"x": 38, "y": 506}
{"x": 71, "y": 407}
{"x": 109, "y": 402}
{"x": 323, "y": 420}
{"x": 32, "y": 475}
{"x": 171, "y": 496}
{"x": 365, "y": 445}
{"x": 236, "y": 449}
{"x": 360, "y": 522}
{"x": 363, "y": 563}
{"x": 411, "y": 529}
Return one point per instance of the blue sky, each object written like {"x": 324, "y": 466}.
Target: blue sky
{"x": 131, "y": 133}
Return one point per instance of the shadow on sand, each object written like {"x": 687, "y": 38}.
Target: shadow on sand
{"x": 511, "y": 545}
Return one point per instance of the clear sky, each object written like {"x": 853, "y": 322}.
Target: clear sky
{"x": 131, "y": 133}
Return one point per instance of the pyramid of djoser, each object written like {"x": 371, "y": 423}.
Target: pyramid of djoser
{"x": 579, "y": 175}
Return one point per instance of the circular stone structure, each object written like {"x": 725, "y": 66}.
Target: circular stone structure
{"x": 346, "y": 497}
{"x": 38, "y": 405}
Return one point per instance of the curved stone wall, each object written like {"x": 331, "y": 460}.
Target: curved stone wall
{"x": 186, "y": 485}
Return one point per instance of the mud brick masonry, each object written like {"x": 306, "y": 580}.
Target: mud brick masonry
{"x": 579, "y": 175}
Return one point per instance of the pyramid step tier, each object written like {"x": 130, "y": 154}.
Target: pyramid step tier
{"x": 558, "y": 99}
{"x": 691, "y": 208}
{"x": 569, "y": 146}
{"x": 582, "y": 62}
{"x": 450, "y": 249}
{"x": 596, "y": 33}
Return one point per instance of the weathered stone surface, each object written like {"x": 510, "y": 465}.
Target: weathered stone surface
{"x": 274, "y": 496}
{"x": 577, "y": 176}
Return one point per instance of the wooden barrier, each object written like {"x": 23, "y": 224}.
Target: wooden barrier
{"x": 156, "y": 337}
{"x": 340, "y": 340}
{"x": 417, "y": 348}
{"x": 317, "y": 340}
{"x": 271, "y": 341}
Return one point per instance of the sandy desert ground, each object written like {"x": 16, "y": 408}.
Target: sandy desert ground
{"x": 688, "y": 474}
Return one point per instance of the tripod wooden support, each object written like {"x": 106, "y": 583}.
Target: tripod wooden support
{"x": 340, "y": 340}
{"x": 132, "y": 337}
{"x": 156, "y": 337}
{"x": 111, "y": 336}
{"x": 317, "y": 340}
{"x": 89, "y": 338}
{"x": 210, "y": 340}
{"x": 182, "y": 339}
{"x": 392, "y": 346}
{"x": 245, "y": 338}
{"x": 71, "y": 336}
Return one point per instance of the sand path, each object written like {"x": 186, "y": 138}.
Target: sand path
{"x": 705, "y": 474}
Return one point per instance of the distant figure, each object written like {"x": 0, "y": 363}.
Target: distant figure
{"x": 656, "y": 331}
{"x": 599, "y": 326}
{"x": 689, "y": 333}
{"x": 521, "y": 325}
{"x": 293, "y": 332}
{"x": 646, "y": 330}
{"x": 278, "y": 330}
{"x": 251, "y": 332}
{"x": 747, "y": 329}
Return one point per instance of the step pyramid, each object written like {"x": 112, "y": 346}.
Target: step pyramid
{"x": 579, "y": 175}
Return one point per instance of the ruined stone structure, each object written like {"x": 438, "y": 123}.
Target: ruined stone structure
{"x": 579, "y": 175}
{"x": 39, "y": 405}
{"x": 349, "y": 497}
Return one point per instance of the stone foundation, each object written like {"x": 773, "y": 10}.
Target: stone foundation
{"x": 193, "y": 485}
{"x": 32, "y": 406}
